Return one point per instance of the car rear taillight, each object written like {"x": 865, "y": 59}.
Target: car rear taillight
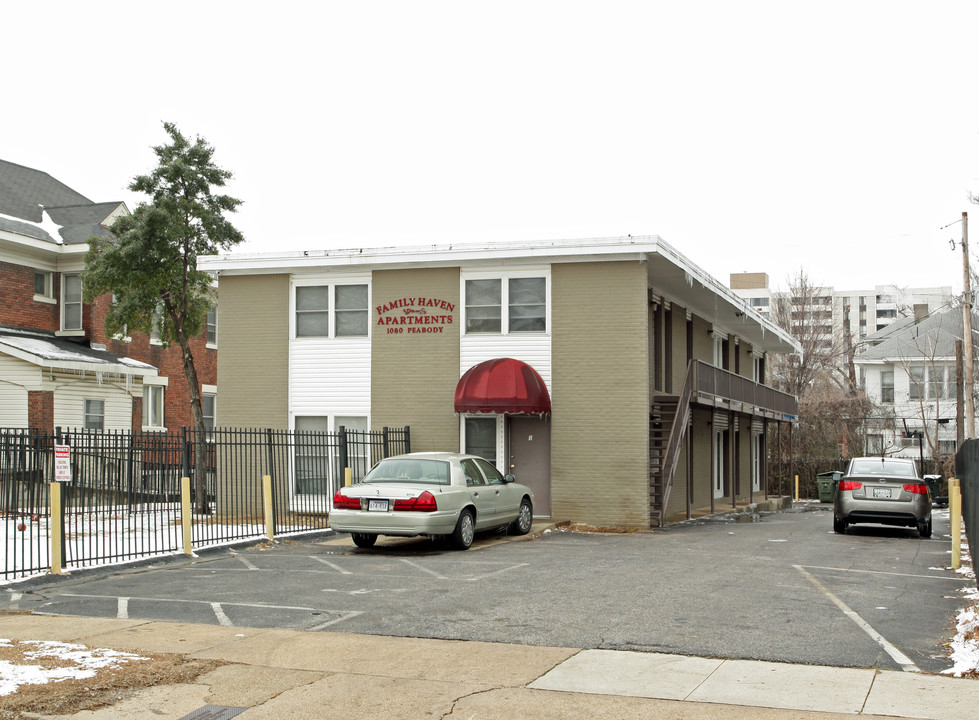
{"x": 850, "y": 485}
{"x": 423, "y": 503}
{"x": 342, "y": 502}
{"x": 917, "y": 489}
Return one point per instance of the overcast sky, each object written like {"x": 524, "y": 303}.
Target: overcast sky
{"x": 834, "y": 137}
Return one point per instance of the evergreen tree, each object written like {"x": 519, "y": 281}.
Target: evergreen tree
{"x": 150, "y": 263}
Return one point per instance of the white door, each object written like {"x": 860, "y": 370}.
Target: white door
{"x": 718, "y": 469}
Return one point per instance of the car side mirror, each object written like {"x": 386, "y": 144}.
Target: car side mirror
{"x": 509, "y": 478}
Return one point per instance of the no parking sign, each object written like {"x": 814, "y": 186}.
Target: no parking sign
{"x": 62, "y": 463}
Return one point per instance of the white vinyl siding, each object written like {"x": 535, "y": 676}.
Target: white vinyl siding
{"x": 535, "y": 350}
{"x": 330, "y": 376}
{"x": 69, "y": 402}
{"x": 17, "y": 377}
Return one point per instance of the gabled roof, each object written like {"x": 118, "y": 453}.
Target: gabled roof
{"x": 45, "y": 349}
{"x": 932, "y": 338}
{"x": 34, "y": 204}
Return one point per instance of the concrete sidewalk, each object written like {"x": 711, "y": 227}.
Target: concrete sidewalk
{"x": 298, "y": 675}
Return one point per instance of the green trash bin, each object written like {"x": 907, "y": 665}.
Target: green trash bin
{"x": 826, "y": 482}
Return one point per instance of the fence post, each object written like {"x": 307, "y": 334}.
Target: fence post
{"x": 267, "y": 507}
{"x": 342, "y": 442}
{"x": 57, "y": 530}
{"x": 955, "y": 516}
{"x": 186, "y": 517}
{"x": 384, "y": 441}
{"x": 407, "y": 438}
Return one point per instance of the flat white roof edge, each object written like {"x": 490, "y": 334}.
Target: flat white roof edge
{"x": 445, "y": 252}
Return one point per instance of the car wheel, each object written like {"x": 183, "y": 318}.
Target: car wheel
{"x": 924, "y": 527}
{"x": 462, "y": 536}
{"x": 839, "y": 524}
{"x": 364, "y": 540}
{"x": 525, "y": 518}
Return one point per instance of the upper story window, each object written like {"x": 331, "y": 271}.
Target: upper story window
{"x": 348, "y": 319}
{"x": 209, "y": 408}
{"x": 43, "y": 286}
{"x": 351, "y": 310}
{"x": 71, "y": 302}
{"x": 887, "y": 387}
{"x": 523, "y": 298}
{"x": 212, "y": 327}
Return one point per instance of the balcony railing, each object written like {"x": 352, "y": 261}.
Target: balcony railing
{"x": 720, "y": 388}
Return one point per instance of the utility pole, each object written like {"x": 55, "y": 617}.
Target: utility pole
{"x": 970, "y": 410}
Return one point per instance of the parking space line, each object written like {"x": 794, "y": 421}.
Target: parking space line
{"x": 122, "y": 608}
{"x": 423, "y": 569}
{"x": 343, "y": 616}
{"x": 245, "y": 562}
{"x": 219, "y": 614}
{"x": 329, "y": 564}
{"x": 497, "y": 572}
{"x": 882, "y": 572}
{"x": 906, "y": 664}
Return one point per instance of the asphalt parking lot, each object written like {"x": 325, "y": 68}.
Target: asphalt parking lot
{"x": 782, "y": 588}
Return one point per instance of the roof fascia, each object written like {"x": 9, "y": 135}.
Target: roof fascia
{"x": 77, "y": 364}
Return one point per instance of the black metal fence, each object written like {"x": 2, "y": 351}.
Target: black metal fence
{"x": 123, "y": 500}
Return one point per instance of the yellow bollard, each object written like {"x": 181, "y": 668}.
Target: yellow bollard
{"x": 347, "y": 477}
{"x": 797, "y": 488}
{"x": 267, "y": 505}
{"x": 186, "y": 517}
{"x": 57, "y": 529}
{"x": 955, "y": 518}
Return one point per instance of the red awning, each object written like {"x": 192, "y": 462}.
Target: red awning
{"x": 503, "y": 385}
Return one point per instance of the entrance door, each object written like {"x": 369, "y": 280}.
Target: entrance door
{"x": 530, "y": 458}
{"x": 757, "y": 453}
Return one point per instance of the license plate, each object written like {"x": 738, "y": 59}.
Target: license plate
{"x": 377, "y": 505}
{"x": 882, "y": 492}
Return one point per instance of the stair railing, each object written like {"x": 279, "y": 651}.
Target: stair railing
{"x": 681, "y": 422}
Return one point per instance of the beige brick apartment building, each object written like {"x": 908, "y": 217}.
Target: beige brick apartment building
{"x": 614, "y": 376}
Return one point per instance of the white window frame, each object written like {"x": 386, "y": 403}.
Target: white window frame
{"x": 212, "y": 322}
{"x": 501, "y": 459}
{"x": 504, "y": 279}
{"x": 331, "y": 309}
{"x": 88, "y": 406}
{"x": 48, "y": 295}
{"x": 154, "y": 403}
{"x": 64, "y": 306}
{"x": 210, "y": 391}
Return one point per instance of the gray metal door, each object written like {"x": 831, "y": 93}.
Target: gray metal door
{"x": 530, "y": 458}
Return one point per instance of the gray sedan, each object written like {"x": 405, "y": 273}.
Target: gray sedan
{"x": 438, "y": 494}
{"x": 882, "y": 490}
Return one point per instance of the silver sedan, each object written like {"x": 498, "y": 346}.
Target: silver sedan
{"x": 437, "y": 494}
{"x": 882, "y": 490}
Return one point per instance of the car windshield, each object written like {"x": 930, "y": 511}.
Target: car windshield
{"x": 409, "y": 470}
{"x": 883, "y": 466}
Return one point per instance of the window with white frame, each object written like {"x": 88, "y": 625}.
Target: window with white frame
{"x": 312, "y": 455}
{"x": 350, "y": 310}
{"x": 153, "y": 407}
{"x": 212, "y": 327}
{"x": 349, "y": 316}
{"x": 209, "y": 408}
{"x": 931, "y": 382}
{"x": 887, "y": 386}
{"x": 481, "y": 437}
{"x": 94, "y": 414}
{"x": 155, "y": 336}
{"x": 42, "y": 286}
{"x": 313, "y": 311}
{"x": 525, "y": 300}
{"x": 71, "y": 302}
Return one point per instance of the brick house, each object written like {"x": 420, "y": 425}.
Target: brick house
{"x": 58, "y": 367}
